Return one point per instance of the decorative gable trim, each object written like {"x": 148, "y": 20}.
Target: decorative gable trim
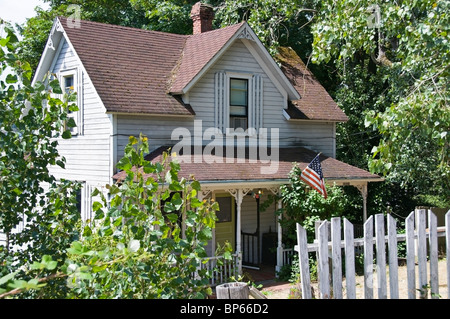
{"x": 245, "y": 34}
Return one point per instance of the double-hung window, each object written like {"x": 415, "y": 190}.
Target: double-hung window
{"x": 239, "y": 103}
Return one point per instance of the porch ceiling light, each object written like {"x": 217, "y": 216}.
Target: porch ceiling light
{"x": 258, "y": 194}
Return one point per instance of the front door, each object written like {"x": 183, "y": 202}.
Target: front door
{"x": 226, "y": 223}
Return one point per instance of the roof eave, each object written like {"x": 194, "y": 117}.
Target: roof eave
{"x": 150, "y": 114}
{"x": 353, "y": 181}
{"x": 50, "y": 51}
{"x": 318, "y": 120}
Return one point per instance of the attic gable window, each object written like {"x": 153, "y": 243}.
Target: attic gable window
{"x": 68, "y": 84}
{"x": 239, "y": 103}
{"x": 69, "y": 81}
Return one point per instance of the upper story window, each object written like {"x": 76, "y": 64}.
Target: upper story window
{"x": 68, "y": 80}
{"x": 239, "y": 103}
{"x": 69, "y": 84}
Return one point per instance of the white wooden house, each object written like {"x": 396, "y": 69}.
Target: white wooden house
{"x": 131, "y": 81}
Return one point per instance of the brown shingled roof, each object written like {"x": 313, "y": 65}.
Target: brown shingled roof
{"x": 214, "y": 168}
{"x": 135, "y": 70}
{"x": 129, "y": 67}
{"x": 198, "y": 51}
{"x": 315, "y": 102}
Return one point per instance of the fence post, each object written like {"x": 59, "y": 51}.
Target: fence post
{"x": 393, "y": 258}
{"x": 422, "y": 251}
{"x": 368, "y": 258}
{"x": 432, "y": 229}
{"x": 336, "y": 257}
{"x": 303, "y": 261}
{"x": 447, "y": 241}
{"x": 349, "y": 259}
{"x": 410, "y": 256}
{"x": 324, "y": 280}
{"x": 381, "y": 256}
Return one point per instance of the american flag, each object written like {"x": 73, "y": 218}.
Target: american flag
{"x": 313, "y": 176}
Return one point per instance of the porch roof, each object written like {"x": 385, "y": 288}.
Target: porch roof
{"x": 233, "y": 167}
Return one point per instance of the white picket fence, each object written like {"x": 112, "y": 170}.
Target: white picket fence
{"x": 330, "y": 283}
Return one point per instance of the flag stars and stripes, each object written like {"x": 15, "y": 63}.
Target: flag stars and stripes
{"x": 313, "y": 176}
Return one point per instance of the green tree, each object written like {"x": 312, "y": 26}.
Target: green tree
{"x": 136, "y": 247}
{"x": 275, "y": 22}
{"x": 406, "y": 49}
{"x": 168, "y": 16}
{"x": 32, "y": 120}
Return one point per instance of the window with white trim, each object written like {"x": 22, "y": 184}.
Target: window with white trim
{"x": 69, "y": 82}
{"x": 238, "y": 101}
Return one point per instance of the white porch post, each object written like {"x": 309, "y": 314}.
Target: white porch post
{"x": 280, "y": 240}
{"x": 364, "y": 192}
{"x": 239, "y": 197}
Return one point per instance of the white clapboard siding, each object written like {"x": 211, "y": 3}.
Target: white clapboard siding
{"x": 158, "y": 130}
{"x": 425, "y": 238}
{"x": 87, "y": 153}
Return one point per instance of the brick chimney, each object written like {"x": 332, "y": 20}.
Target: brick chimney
{"x": 202, "y": 16}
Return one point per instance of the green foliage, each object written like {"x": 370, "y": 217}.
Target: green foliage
{"x": 405, "y": 49}
{"x": 20, "y": 285}
{"x": 167, "y": 16}
{"x": 275, "y": 22}
{"x": 136, "y": 247}
{"x": 32, "y": 120}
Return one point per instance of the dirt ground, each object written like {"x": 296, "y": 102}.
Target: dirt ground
{"x": 282, "y": 291}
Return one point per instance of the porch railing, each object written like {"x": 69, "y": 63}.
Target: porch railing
{"x": 221, "y": 269}
{"x": 287, "y": 255}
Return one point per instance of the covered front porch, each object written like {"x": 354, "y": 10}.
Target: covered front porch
{"x": 241, "y": 184}
{"x": 255, "y": 234}
{"x": 240, "y": 187}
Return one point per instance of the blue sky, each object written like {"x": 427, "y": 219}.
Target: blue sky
{"x": 17, "y": 11}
